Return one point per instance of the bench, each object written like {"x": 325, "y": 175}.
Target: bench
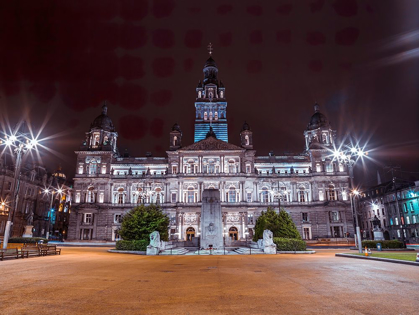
{"x": 50, "y": 249}
{"x": 10, "y": 252}
{"x": 30, "y": 250}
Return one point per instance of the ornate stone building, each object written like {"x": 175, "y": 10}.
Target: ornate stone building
{"x": 310, "y": 186}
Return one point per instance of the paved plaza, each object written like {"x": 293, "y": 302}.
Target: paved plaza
{"x": 93, "y": 281}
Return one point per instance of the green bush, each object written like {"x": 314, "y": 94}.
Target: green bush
{"x": 141, "y": 221}
{"x": 135, "y": 245}
{"x": 289, "y": 244}
{"x": 280, "y": 224}
{"x": 27, "y": 240}
{"x": 384, "y": 244}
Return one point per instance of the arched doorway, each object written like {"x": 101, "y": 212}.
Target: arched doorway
{"x": 233, "y": 233}
{"x": 386, "y": 235}
{"x": 190, "y": 232}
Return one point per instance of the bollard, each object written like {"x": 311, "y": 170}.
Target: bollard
{"x": 417, "y": 257}
{"x": 366, "y": 251}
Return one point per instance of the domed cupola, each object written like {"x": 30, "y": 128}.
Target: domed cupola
{"x": 103, "y": 121}
{"x": 246, "y": 136}
{"x": 318, "y": 134}
{"x": 318, "y": 120}
{"x": 102, "y": 135}
{"x": 210, "y": 72}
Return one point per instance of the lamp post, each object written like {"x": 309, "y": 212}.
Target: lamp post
{"x": 349, "y": 156}
{"x": 19, "y": 143}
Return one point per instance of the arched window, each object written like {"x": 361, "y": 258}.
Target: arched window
{"x": 210, "y": 116}
{"x": 265, "y": 195}
{"x": 246, "y": 139}
{"x": 199, "y": 94}
{"x": 221, "y": 94}
{"x": 92, "y": 167}
{"x": 232, "y": 194}
{"x": 344, "y": 195}
{"x": 120, "y": 196}
{"x": 90, "y": 195}
{"x": 174, "y": 141}
{"x": 205, "y": 116}
{"x": 231, "y": 166}
{"x": 216, "y": 116}
{"x": 321, "y": 195}
{"x": 341, "y": 169}
{"x": 302, "y": 194}
{"x": 233, "y": 233}
{"x": 158, "y": 195}
{"x": 211, "y": 166}
{"x": 332, "y": 193}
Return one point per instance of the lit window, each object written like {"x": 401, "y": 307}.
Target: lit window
{"x": 232, "y": 195}
{"x": 88, "y": 218}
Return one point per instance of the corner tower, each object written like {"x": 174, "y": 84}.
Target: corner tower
{"x": 210, "y": 103}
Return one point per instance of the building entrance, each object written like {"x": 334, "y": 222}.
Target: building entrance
{"x": 190, "y": 232}
{"x": 233, "y": 233}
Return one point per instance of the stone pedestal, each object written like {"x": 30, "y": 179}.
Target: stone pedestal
{"x": 152, "y": 250}
{"x": 271, "y": 249}
{"x": 378, "y": 236}
{"x": 28, "y": 231}
{"x": 211, "y": 220}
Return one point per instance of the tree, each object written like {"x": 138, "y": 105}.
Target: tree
{"x": 280, "y": 224}
{"x": 141, "y": 221}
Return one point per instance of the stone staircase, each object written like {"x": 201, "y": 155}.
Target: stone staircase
{"x": 174, "y": 251}
{"x": 246, "y": 251}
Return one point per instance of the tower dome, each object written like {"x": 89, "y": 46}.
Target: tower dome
{"x": 318, "y": 120}
{"x": 103, "y": 121}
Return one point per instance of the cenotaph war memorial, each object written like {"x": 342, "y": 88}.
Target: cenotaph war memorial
{"x": 211, "y": 220}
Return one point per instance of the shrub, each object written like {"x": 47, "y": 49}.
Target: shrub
{"x": 141, "y": 221}
{"x": 280, "y": 224}
{"x": 384, "y": 244}
{"x": 135, "y": 245}
{"x": 289, "y": 244}
{"x": 27, "y": 240}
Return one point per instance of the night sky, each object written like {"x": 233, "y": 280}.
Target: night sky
{"x": 59, "y": 60}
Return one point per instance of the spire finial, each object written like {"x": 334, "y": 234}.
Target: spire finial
{"x": 104, "y": 108}
{"x": 210, "y": 49}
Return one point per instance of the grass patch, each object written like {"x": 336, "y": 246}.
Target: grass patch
{"x": 399, "y": 256}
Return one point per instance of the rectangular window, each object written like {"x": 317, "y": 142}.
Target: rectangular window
{"x": 302, "y": 196}
{"x": 321, "y": 195}
{"x": 414, "y": 219}
{"x": 173, "y": 197}
{"x": 78, "y": 197}
{"x": 405, "y": 207}
{"x": 407, "y": 220}
{"x": 191, "y": 196}
{"x": 249, "y": 197}
{"x": 174, "y": 169}
{"x": 248, "y": 169}
{"x": 411, "y": 207}
{"x": 101, "y": 198}
{"x": 9, "y": 185}
{"x": 396, "y": 220}
{"x": 88, "y": 218}
{"x": 304, "y": 216}
{"x": 120, "y": 198}
{"x": 104, "y": 169}
{"x": 117, "y": 218}
{"x": 318, "y": 168}
{"x": 81, "y": 169}
{"x": 250, "y": 219}
{"x": 334, "y": 216}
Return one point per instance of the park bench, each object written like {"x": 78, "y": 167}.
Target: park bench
{"x": 50, "y": 249}
{"x": 10, "y": 252}
{"x": 30, "y": 250}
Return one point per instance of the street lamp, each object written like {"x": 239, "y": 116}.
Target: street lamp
{"x": 348, "y": 156}
{"x": 19, "y": 143}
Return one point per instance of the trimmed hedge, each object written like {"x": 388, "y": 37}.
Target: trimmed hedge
{"x": 289, "y": 244}
{"x": 27, "y": 240}
{"x": 135, "y": 245}
{"x": 384, "y": 244}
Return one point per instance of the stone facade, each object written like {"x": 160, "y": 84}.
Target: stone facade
{"x": 310, "y": 186}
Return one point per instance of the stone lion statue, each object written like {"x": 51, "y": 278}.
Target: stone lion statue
{"x": 155, "y": 239}
{"x": 268, "y": 238}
